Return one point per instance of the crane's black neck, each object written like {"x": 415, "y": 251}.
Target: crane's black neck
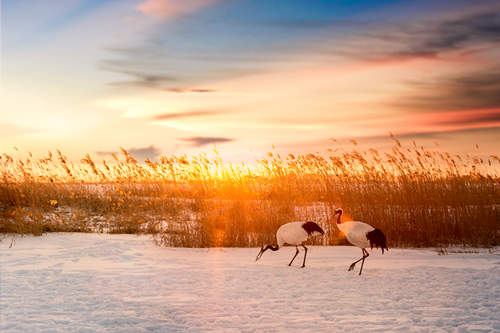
{"x": 338, "y": 218}
{"x": 265, "y": 248}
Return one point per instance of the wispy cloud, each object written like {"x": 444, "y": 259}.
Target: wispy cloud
{"x": 143, "y": 78}
{"x": 189, "y": 90}
{"x": 179, "y": 52}
{"x": 172, "y": 8}
{"x": 188, "y": 114}
{"x": 140, "y": 153}
{"x": 440, "y": 121}
{"x": 206, "y": 46}
{"x": 438, "y": 135}
{"x": 473, "y": 119}
{"x": 154, "y": 65}
{"x": 430, "y": 38}
{"x": 199, "y": 141}
{"x": 473, "y": 90}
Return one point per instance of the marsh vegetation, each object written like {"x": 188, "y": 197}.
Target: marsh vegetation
{"x": 418, "y": 196}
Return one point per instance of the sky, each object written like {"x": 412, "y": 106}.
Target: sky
{"x": 179, "y": 77}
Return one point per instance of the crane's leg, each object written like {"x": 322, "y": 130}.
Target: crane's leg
{"x": 365, "y": 255}
{"x": 362, "y": 258}
{"x": 305, "y": 255}
{"x": 297, "y": 252}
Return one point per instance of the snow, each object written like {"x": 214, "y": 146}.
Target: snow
{"x": 76, "y": 282}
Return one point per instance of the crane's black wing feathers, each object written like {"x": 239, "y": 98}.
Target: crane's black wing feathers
{"x": 377, "y": 239}
{"x": 311, "y": 227}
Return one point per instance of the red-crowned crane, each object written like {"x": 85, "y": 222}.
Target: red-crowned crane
{"x": 293, "y": 233}
{"x": 362, "y": 235}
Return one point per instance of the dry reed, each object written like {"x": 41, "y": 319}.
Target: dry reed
{"x": 419, "y": 197}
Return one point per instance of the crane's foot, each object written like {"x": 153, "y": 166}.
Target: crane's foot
{"x": 351, "y": 267}
{"x": 302, "y": 266}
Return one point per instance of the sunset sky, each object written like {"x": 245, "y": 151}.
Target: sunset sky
{"x": 164, "y": 76}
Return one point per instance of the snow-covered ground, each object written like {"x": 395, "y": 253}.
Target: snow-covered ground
{"x": 124, "y": 283}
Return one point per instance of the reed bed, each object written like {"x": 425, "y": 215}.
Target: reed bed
{"x": 417, "y": 196}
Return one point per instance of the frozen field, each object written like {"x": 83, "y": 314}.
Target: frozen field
{"x": 124, "y": 283}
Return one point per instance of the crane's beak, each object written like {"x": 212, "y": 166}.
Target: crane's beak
{"x": 260, "y": 253}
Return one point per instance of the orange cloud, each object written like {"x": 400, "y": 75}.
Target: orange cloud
{"x": 448, "y": 121}
{"x": 172, "y": 8}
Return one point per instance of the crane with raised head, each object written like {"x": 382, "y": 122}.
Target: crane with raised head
{"x": 362, "y": 235}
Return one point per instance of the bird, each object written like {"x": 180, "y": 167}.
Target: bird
{"x": 362, "y": 235}
{"x": 293, "y": 233}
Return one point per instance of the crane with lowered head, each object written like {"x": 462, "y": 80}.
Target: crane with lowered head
{"x": 293, "y": 233}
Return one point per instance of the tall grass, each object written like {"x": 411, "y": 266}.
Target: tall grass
{"x": 419, "y": 197}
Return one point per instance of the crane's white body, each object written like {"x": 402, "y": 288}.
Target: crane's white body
{"x": 293, "y": 233}
{"x": 355, "y": 232}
